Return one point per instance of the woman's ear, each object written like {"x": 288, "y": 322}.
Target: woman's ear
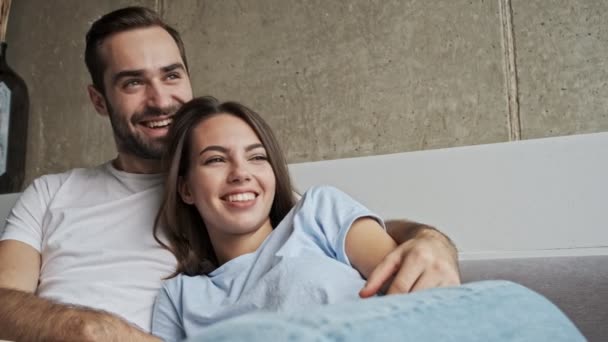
{"x": 184, "y": 190}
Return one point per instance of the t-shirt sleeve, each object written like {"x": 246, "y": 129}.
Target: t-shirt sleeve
{"x": 25, "y": 221}
{"x": 166, "y": 323}
{"x": 325, "y": 214}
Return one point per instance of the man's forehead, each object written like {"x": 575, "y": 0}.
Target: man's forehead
{"x": 148, "y": 49}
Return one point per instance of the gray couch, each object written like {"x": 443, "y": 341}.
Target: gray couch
{"x": 533, "y": 212}
{"x": 577, "y": 285}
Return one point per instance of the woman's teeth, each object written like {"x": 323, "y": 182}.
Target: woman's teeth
{"x": 247, "y": 196}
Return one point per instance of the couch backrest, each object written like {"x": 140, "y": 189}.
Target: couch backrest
{"x": 523, "y": 198}
{"x": 538, "y": 197}
{"x": 6, "y": 204}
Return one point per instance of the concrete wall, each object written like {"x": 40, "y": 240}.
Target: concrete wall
{"x": 339, "y": 78}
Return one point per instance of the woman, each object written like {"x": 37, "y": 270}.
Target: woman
{"x": 243, "y": 244}
{"x": 241, "y": 241}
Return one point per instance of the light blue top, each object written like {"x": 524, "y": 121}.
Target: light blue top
{"x": 302, "y": 263}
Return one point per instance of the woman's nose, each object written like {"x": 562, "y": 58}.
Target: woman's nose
{"x": 239, "y": 173}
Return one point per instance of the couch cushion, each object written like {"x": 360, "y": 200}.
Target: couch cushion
{"x": 577, "y": 285}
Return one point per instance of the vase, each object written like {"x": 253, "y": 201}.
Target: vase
{"x": 14, "y": 111}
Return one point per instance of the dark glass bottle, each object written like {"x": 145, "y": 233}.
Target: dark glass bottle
{"x": 14, "y": 111}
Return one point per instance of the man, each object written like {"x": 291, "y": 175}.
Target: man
{"x": 78, "y": 260}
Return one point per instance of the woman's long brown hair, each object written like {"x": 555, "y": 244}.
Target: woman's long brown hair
{"x": 183, "y": 225}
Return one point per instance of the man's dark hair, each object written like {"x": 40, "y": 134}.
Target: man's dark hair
{"x": 121, "y": 20}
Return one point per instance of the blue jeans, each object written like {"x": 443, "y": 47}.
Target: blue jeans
{"x": 482, "y": 311}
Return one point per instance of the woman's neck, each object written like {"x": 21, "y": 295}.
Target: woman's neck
{"x": 230, "y": 246}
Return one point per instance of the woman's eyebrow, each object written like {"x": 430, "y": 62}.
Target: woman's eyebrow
{"x": 214, "y": 148}
{"x": 225, "y": 150}
{"x": 253, "y": 147}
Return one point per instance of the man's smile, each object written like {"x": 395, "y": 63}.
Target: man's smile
{"x": 158, "y": 123}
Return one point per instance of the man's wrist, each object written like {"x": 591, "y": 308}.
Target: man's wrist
{"x": 434, "y": 233}
{"x": 404, "y": 230}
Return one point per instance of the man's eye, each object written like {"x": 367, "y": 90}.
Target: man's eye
{"x": 174, "y": 76}
{"x": 131, "y": 83}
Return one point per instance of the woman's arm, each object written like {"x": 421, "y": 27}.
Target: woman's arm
{"x": 418, "y": 258}
{"x": 367, "y": 244}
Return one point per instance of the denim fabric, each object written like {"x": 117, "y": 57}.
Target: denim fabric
{"x": 482, "y": 311}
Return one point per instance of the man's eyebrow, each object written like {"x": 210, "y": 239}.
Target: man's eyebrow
{"x": 174, "y": 66}
{"x": 126, "y": 73}
{"x": 225, "y": 150}
{"x": 140, "y": 72}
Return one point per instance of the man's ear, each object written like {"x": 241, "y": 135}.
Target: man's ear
{"x": 98, "y": 100}
{"x": 184, "y": 190}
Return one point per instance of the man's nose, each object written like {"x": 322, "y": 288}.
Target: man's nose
{"x": 158, "y": 95}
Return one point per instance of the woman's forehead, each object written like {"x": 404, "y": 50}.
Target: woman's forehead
{"x": 224, "y": 129}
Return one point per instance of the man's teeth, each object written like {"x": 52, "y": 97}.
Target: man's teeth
{"x": 247, "y": 196}
{"x": 159, "y": 123}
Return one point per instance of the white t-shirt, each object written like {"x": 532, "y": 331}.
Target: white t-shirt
{"x": 93, "y": 229}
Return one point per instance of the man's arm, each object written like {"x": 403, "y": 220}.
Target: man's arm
{"x": 26, "y": 317}
{"x": 424, "y": 258}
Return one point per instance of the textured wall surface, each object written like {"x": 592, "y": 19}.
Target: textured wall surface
{"x": 338, "y": 79}
{"x": 562, "y": 66}
{"x": 342, "y": 79}
{"x": 46, "y": 47}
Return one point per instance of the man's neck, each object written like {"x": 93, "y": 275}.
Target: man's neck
{"x": 131, "y": 164}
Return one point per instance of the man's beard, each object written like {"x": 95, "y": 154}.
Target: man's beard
{"x": 138, "y": 144}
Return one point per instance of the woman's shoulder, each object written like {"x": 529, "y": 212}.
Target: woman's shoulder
{"x": 326, "y": 195}
{"x": 322, "y": 191}
{"x": 181, "y": 282}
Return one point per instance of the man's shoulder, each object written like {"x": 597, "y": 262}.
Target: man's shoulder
{"x": 56, "y": 180}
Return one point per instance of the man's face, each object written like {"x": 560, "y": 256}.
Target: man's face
{"x": 145, "y": 83}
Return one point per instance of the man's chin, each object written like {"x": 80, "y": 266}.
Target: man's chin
{"x": 153, "y": 148}
{"x": 147, "y": 152}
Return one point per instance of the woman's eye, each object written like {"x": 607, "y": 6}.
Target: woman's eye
{"x": 214, "y": 160}
{"x": 259, "y": 157}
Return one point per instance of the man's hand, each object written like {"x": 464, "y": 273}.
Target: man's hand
{"x": 424, "y": 259}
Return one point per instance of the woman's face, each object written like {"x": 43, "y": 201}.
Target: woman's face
{"x": 230, "y": 180}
